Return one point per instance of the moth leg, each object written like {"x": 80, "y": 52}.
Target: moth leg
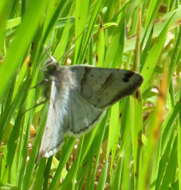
{"x": 41, "y": 83}
{"x": 36, "y": 105}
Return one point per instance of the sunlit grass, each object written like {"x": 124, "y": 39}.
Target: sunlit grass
{"x": 137, "y": 143}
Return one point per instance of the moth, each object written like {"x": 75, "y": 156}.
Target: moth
{"x": 78, "y": 96}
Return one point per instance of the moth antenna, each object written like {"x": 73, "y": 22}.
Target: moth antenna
{"x": 62, "y": 59}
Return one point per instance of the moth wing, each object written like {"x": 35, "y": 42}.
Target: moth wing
{"x": 78, "y": 96}
{"x": 82, "y": 113}
{"x": 55, "y": 125}
{"x": 102, "y": 87}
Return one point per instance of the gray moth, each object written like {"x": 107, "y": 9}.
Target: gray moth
{"x": 78, "y": 96}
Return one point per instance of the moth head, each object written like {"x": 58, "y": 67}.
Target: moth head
{"x": 51, "y": 67}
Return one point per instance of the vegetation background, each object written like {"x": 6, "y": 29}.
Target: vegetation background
{"x": 137, "y": 143}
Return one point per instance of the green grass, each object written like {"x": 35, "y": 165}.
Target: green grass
{"x": 137, "y": 143}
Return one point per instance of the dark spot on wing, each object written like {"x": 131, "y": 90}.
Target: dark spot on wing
{"x": 127, "y": 76}
{"x": 129, "y": 89}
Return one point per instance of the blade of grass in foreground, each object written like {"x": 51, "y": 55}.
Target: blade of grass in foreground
{"x": 153, "y": 57}
{"x": 28, "y": 27}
